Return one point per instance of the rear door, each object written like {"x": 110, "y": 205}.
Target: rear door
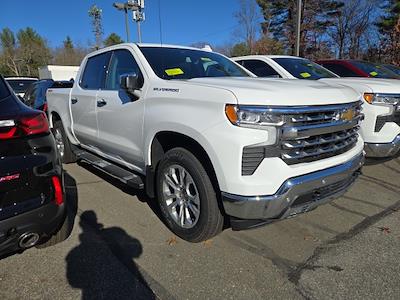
{"x": 83, "y": 99}
{"x": 119, "y": 115}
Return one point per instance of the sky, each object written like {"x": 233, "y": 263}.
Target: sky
{"x": 183, "y": 21}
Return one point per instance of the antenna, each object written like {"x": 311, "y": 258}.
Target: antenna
{"x": 159, "y": 21}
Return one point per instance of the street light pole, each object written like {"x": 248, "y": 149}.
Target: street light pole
{"x": 137, "y": 7}
{"x": 126, "y": 24}
{"x": 298, "y": 27}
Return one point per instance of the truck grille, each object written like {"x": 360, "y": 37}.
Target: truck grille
{"x": 309, "y": 134}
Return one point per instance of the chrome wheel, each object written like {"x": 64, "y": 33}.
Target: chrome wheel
{"x": 59, "y": 142}
{"x": 181, "y": 196}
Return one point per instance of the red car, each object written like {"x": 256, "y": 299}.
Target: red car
{"x": 358, "y": 68}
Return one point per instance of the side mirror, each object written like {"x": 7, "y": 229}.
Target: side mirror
{"x": 131, "y": 82}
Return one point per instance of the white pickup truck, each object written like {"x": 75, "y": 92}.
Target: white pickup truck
{"x": 207, "y": 139}
{"x": 381, "y": 126}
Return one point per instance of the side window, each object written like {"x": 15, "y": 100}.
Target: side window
{"x": 122, "y": 63}
{"x": 260, "y": 68}
{"x": 340, "y": 70}
{"x": 95, "y": 71}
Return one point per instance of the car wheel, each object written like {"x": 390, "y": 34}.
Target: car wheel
{"x": 63, "y": 145}
{"x": 187, "y": 197}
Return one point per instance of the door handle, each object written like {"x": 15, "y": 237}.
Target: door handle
{"x": 101, "y": 103}
{"x": 74, "y": 100}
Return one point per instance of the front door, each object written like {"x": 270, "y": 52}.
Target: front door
{"x": 120, "y": 116}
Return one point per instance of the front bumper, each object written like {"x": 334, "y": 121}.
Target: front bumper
{"x": 296, "y": 195}
{"x": 45, "y": 221}
{"x": 383, "y": 150}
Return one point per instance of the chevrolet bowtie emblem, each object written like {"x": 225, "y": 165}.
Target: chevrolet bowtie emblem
{"x": 347, "y": 115}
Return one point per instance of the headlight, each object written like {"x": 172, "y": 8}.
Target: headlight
{"x": 256, "y": 117}
{"x": 392, "y": 99}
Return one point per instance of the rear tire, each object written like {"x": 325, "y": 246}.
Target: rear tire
{"x": 64, "y": 147}
{"x": 187, "y": 198}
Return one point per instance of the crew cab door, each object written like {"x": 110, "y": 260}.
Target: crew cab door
{"x": 120, "y": 116}
{"x": 83, "y": 99}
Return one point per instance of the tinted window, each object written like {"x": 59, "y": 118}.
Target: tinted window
{"x": 341, "y": 70}
{"x": 304, "y": 68}
{"x": 122, "y": 63}
{"x": 94, "y": 73}
{"x": 20, "y": 85}
{"x": 4, "y": 92}
{"x": 374, "y": 70}
{"x": 260, "y": 68}
{"x": 174, "y": 63}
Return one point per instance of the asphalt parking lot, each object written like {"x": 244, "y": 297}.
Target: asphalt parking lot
{"x": 119, "y": 249}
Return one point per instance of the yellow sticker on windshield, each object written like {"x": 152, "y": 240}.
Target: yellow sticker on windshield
{"x": 206, "y": 59}
{"x": 305, "y": 75}
{"x": 174, "y": 72}
{"x": 374, "y": 73}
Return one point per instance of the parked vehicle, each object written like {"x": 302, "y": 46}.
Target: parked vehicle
{"x": 20, "y": 84}
{"x": 32, "y": 208}
{"x": 206, "y": 138}
{"x": 381, "y": 126}
{"x": 35, "y": 96}
{"x": 393, "y": 68}
{"x": 358, "y": 68}
{"x": 58, "y": 73}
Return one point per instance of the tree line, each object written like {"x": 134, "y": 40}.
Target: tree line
{"x": 356, "y": 29}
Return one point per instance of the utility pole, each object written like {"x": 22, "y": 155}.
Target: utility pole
{"x": 137, "y": 8}
{"x": 298, "y": 27}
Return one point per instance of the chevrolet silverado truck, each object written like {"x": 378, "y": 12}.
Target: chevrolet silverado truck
{"x": 381, "y": 126}
{"x": 213, "y": 144}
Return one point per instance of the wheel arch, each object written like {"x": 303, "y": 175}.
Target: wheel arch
{"x": 164, "y": 141}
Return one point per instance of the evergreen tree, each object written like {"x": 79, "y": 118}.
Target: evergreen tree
{"x": 113, "y": 39}
{"x": 389, "y": 27}
{"x": 280, "y": 21}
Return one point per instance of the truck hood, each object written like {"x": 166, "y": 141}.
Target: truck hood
{"x": 286, "y": 92}
{"x": 371, "y": 85}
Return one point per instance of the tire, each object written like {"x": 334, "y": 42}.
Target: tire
{"x": 201, "y": 219}
{"x": 64, "y": 147}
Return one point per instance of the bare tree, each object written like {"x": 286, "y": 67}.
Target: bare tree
{"x": 352, "y": 26}
{"x": 248, "y": 18}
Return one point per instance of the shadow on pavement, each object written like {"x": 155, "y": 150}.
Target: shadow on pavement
{"x": 101, "y": 274}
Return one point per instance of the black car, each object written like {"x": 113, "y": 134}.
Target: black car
{"x": 32, "y": 198}
{"x": 20, "y": 84}
{"x": 35, "y": 95}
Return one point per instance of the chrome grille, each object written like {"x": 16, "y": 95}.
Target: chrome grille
{"x": 329, "y": 131}
{"x": 309, "y": 134}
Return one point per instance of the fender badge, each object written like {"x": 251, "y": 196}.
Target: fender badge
{"x": 9, "y": 177}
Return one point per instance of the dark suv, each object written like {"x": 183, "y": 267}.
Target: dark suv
{"x": 35, "y": 95}
{"x": 32, "y": 208}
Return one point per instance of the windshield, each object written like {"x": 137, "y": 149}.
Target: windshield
{"x": 393, "y": 68}
{"x": 375, "y": 70}
{"x": 304, "y": 68}
{"x": 20, "y": 85}
{"x": 174, "y": 63}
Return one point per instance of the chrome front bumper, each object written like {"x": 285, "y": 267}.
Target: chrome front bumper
{"x": 296, "y": 195}
{"x": 383, "y": 150}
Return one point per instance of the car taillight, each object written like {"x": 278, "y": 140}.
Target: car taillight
{"x": 58, "y": 194}
{"x": 23, "y": 126}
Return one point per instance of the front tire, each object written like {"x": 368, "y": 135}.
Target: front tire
{"x": 187, "y": 197}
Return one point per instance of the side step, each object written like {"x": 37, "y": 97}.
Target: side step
{"x": 111, "y": 169}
